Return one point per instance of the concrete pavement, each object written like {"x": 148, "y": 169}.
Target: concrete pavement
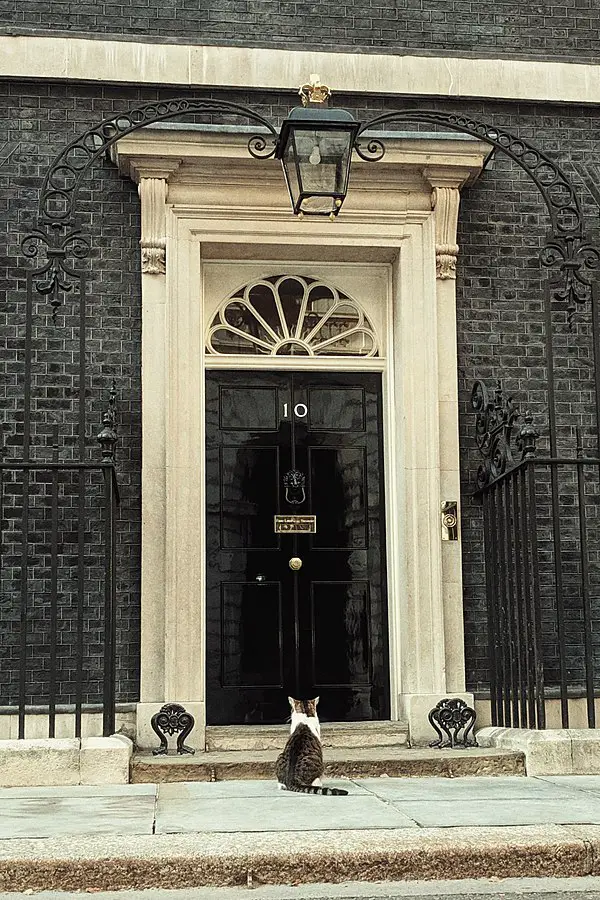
{"x": 470, "y": 889}
{"x": 249, "y": 833}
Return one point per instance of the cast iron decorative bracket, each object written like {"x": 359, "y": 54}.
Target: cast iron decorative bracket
{"x": 449, "y": 717}
{"x": 495, "y": 430}
{"x": 171, "y": 718}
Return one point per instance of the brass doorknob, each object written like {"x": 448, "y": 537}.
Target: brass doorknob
{"x": 295, "y": 563}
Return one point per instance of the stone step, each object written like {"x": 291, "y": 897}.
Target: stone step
{"x": 333, "y": 734}
{"x": 339, "y": 762}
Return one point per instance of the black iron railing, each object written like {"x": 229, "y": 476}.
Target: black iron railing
{"x": 541, "y": 518}
{"x": 58, "y": 585}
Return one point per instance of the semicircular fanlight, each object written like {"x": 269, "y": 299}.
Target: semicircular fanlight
{"x": 291, "y": 315}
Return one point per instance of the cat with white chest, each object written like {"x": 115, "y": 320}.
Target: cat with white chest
{"x": 300, "y": 766}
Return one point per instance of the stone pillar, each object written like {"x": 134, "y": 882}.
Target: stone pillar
{"x": 185, "y": 465}
{"x": 171, "y": 667}
{"x": 441, "y": 668}
{"x": 153, "y": 193}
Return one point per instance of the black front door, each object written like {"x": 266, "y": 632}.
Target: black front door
{"x": 275, "y": 630}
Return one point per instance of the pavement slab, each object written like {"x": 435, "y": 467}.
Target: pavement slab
{"x": 573, "y": 782}
{"x": 78, "y": 791}
{"x": 281, "y": 811}
{"x": 481, "y": 787}
{"x": 48, "y": 817}
{"x": 515, "y": 812}
{"x": 204, "y": 790}
{"x": 477, "y": 889}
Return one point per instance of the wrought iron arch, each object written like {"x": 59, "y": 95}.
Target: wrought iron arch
{"x": 67, "y": 171}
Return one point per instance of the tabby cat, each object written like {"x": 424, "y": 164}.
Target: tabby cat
{"x": 300, "y": 767}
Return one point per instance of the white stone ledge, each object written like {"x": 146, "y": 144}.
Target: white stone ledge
{"x": 555, "y": 751}
{"x": 56, "y": 761}
{"x": 144, "y": 62}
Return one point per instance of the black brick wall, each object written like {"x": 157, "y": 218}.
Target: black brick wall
{"x": 502, "y": 226}
{"x": 567, "y": 30}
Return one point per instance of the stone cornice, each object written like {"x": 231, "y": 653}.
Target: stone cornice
{"x": 143, "y": 62}
{"x": 213, "y": 170}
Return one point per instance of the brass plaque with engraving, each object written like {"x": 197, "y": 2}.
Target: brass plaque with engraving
{"x": 295, "y": 524}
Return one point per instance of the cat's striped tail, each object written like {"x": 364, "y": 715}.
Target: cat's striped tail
{"x": 313, "y": 789}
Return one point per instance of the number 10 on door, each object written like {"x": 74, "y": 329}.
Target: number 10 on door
{"x": 300, "y": 410}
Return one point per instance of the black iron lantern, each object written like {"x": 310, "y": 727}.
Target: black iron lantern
{"x": 315, "y": 148}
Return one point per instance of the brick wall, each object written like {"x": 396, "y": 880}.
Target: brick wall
{"x": 567, "y": 30}
{"x": 502, "y": 227}
{"x": 37, "y": 120}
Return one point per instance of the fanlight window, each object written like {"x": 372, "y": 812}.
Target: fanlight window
{"x": 289, "y": 315}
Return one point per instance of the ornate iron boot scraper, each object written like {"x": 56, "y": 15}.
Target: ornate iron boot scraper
{"x": 170, "y": 718}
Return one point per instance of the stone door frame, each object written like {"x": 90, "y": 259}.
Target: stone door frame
{"x": 203, "y": 199}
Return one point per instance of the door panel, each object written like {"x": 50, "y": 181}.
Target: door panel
{"x": 338, "y": 487}
{"x": 335, "y": 409}
{"x": 340, "y": 628}
{"x": 248, "y": 496}
{"x": 248, "y": 408}
{"x": 252, "y": 635}
{"x": 272, "y": 631}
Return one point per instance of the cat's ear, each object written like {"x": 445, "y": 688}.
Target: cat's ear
{"x": 316, "y": 701}
{"x": 291, "y": 701}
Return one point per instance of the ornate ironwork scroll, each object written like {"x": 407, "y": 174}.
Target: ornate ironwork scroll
{"x": 56, "y": 274}
{"x": 495, "y": 432}
{"x": 172, "y": 718}
{"x": 568, "y": 251}
{"x": 449, "y": 718}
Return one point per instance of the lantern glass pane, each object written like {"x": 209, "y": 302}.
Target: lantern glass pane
{"x": 289, "y": 165}
{"x": 323, "y": 158}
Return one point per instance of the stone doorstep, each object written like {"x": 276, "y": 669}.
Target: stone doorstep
{"x": 339, "y": 762}
{"x": 246, "y": 860}
{"x": 335, "y": 734}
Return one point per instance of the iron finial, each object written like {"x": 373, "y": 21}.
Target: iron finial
{"x": 528, "y": 435}
{"x": 107, "y": 438}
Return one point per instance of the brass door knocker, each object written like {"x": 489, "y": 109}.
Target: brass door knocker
{"x": 293, "y": 482}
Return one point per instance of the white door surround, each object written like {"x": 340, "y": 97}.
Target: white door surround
{"x": 212, "y": 217}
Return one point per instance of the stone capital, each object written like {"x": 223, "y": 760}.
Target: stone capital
{"x": 153, "y": 196}
{"x": 445, "y": 202}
